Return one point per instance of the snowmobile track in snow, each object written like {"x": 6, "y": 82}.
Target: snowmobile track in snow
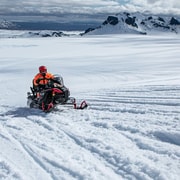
{"x": 119, "y": 131}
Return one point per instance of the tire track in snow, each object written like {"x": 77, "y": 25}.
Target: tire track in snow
{"x": 152, "y": 101}
{"x": 115, "y": 159}
{"x": 16, "y": 152}
{"x": 132, "y": 116}
{"x": 160, "y": 107}
{"x": 47, "y": 163}
{"x": 35, "y": 150}
{"x": 37, "y": 122}
{"x": 31, "y": 148}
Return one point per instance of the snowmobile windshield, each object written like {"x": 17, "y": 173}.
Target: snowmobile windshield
{"x": 59, "y": 79}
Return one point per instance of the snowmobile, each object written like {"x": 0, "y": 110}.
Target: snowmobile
{"x": 53, "y": 94}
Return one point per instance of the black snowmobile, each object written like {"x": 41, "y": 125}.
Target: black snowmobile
{"x": 55, "y": 93}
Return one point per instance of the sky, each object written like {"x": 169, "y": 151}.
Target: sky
{"x": 88, "y": 6}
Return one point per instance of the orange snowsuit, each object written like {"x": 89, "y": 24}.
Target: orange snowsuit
{"x": 39, "y": 79}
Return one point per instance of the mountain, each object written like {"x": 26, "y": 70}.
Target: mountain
{"x": 65, "y": 22}
{"x": 137, "y": 23}
{"x": 29, "y": 30}
{"x": 122, "y": 23}
{"x": 4, "y": 24}
{"x": 31, "y": 34}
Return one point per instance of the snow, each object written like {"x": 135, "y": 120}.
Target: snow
{"x": 137, "y": 23}
{"x": 131, "y": 129}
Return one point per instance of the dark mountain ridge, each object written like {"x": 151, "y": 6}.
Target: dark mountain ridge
{"x": 121, "y": 23}
{"x": 137, "y": 23}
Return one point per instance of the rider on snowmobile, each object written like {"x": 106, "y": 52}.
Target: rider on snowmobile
{"x": 44, "y": 79}
{"x": 41, "y": 79}
{"x": 48, "y": 91}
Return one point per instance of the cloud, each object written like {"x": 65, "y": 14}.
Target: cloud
{"x": 61, "y": 6}
{"x": 88, "y": 6}
{"x": 157, "y": 6}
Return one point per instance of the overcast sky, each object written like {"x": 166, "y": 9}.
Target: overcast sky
{"x": 88, "y": 6}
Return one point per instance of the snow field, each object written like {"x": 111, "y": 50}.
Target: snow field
{"x": 131, "y": 129}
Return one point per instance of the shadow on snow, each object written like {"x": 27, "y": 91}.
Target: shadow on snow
{"x": 21, "y": 112}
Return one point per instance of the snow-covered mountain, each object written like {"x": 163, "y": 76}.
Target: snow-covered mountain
{"x": 137, "y": 23}
{"x": 10, "y": 29}
{"x": 4, "y": 24}
{"x": 122, "y": 23}
{"x": 34, "y": 34}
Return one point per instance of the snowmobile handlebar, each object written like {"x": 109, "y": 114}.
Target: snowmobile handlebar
{"x": 52, "y": 83}
{"x": 40, "y": 79}
{"x": 48, "y": 79}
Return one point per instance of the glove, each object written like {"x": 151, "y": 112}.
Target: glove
{"x": 38, "y": 80}
{"x": 36, "y": 88}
